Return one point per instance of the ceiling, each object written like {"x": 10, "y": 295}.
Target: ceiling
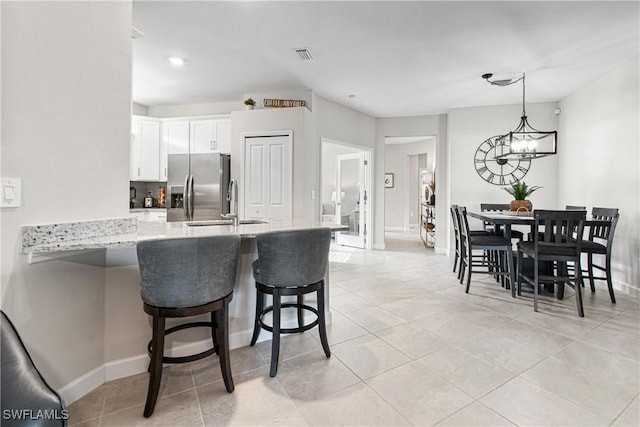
{"x": 398, "y": 58}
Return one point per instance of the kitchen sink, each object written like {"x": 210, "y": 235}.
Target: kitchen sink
{"x": 252, "y": 221}
{"x": 209, "y": 223}
{"x": 214, "y": 222}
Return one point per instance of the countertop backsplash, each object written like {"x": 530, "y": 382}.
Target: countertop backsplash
{"x": 141, "y": 191}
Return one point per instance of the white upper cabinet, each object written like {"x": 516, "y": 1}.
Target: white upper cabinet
{"x": 153, "y": 140}
{"x": 223, "y": 136}
{"x": 145, "y": 149}
{"x": 176, "y": 135}
{"x": 211, "y": 136}
{"x": 203, "y": 136}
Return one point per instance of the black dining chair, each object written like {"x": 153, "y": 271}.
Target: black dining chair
{"x": 500, "y": 265}
{"x": 575, "y": 208}
{"x": 498, "y": 207}
{"x": 458, "y": 254}
{"x": 600, "y": 242}
{"x": 557, "y": 239}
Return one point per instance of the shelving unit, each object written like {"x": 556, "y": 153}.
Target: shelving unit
{"x": 427, "y": 224}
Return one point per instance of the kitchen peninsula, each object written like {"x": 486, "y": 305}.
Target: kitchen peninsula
{"x": 127, "y": 329}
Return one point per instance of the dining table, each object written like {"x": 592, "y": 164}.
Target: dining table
{"x": 504, "y": 220}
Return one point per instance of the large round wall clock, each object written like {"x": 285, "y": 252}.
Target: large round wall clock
{"x": 502, "y": 171}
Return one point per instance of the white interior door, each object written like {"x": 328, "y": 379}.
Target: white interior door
{"x": 268, "y": 177}
{"x": 351, "y": 199}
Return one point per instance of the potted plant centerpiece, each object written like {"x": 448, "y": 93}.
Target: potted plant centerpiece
{"x": 249, "y": 104}
{"x": 520, "y": 190}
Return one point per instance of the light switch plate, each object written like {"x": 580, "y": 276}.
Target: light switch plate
{"x": 10, "y": 192}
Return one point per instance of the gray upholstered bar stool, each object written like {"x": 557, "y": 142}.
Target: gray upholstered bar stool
{"x": 187, "y": 277}
{"x": 290, "y": 263}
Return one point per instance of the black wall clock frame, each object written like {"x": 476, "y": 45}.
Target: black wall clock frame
{"x": 502, "y": 171}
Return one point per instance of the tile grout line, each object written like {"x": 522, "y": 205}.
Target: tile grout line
{"x": 195, "y": 390}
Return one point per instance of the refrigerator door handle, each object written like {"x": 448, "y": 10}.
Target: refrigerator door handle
{"x": 191, "y": 198}
{"x": 185, "y": 198}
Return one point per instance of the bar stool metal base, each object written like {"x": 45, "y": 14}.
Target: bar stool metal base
{"x": 276, "y": 308}
{"x": 219, "y": 325}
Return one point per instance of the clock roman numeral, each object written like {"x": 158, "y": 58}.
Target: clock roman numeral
{"x": 482, "y": 170}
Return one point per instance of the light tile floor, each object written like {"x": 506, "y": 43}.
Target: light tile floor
{"x": 411, "y": 348}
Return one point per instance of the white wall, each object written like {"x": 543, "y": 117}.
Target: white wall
{"x": 599, "y": 157}
{"x": 468, "y": 128}
{"x": 335, "y": 122}
{"x": 435, "y": 126}
{"x": 66, "y": 105}
{"x": 400, "y": 199}
{"x": 139, "y": 109}
{"x": 195, "y": 110}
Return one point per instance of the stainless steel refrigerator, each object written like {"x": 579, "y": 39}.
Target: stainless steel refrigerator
{"x": 197, "y": 186}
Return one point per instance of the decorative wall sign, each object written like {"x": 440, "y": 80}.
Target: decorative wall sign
{"x": 280, "y": 103}
{"x": 388, "y": 180}
{"x": 501, "y": 171}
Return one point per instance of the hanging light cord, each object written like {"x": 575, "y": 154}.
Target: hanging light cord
{"x": 524, "y": 113}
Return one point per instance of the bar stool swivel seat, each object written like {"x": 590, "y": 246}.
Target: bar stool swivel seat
{"x": 291, "y": 263}
{"x": 186, "y": 277}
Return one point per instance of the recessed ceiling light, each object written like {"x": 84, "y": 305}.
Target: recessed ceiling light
{"x": 176, "y": 61}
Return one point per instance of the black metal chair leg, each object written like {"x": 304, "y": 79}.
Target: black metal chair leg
{"x": 512, "y": 282}
{"x": 455, "y": 260}
{"x": 519, "y": 273}
{"x": 256, "y": 323}
{"x": 214, "y": 333}
{"x": 275, "y": 343}
{"x": 300, "y": 301}
{"x": 223, "y": 340}
{"x": 536, "y": 284}
{"x": 322, "y": 323}
{"x": 608, "y": 276}
{"x": 157, "y": 351}
{"x": 577, "y": 280}
{"x": 590, "y": 271}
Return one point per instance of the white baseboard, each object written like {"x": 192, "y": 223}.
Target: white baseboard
{"x": 625, "y": 288}
{"x": 83, "y": 385}
{"x": 379, "y": 246}
{"x": 396, "y": 229}
{"x": 128, "y": 366}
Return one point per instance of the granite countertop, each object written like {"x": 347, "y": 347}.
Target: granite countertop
{"x": 126, "y": 232}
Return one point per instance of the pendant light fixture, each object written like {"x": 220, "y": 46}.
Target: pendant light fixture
{"x": 525, "y": 142}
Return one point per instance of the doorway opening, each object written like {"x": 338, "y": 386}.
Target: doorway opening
{"x": 345, "y": 191}
{"x": 411, "y": 160}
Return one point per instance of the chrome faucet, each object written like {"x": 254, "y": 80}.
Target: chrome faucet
{"x": 232, "y": 196}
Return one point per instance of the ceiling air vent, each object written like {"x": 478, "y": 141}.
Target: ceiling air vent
{"x": 303, "y": 53}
